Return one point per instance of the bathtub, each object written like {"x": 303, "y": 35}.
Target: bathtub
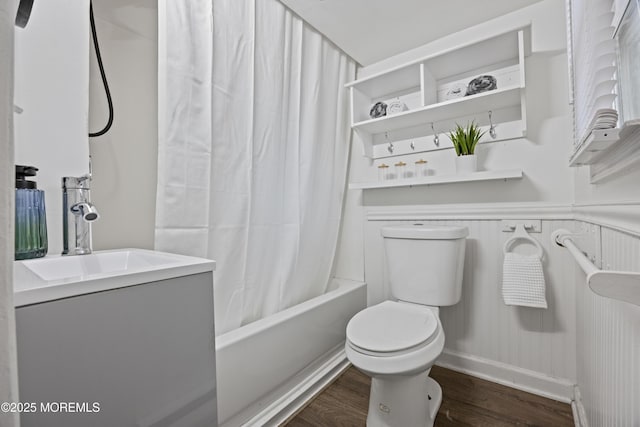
{"x": 267, "y": 369}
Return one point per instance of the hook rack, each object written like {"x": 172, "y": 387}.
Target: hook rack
{"x": 431, "y": 136}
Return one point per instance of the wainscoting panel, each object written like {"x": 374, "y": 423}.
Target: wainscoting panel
{"x": 532, "y": 349}
{"x": 608, "y": 342}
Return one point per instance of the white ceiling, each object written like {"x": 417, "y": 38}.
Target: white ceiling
{"x": 371, "y": 30}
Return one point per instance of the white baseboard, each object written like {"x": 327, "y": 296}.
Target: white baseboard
{"x": 511, "y": 376}
{"x": 579, "y": 414}
{"x": 308, "y": 385}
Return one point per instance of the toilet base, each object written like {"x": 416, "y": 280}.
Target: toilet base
{"x": 408, "y": 401}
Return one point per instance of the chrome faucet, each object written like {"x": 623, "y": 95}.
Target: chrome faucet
{"x": 77, "y": 215}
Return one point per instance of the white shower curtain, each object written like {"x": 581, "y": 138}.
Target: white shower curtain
{"x": 253, "y": 151}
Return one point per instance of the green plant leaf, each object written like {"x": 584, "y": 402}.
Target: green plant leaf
{"x": 465, "y": 139}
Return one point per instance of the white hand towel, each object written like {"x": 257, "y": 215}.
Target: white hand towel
{"x": 523, "y": 281}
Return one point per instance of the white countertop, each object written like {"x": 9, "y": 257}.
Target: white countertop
{"x": 55, "y": 277}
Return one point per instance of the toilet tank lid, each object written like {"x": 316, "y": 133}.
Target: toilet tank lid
{"x": 424, "y": 231}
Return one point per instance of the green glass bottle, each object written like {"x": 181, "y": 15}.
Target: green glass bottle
{"x": 31, "y": 218}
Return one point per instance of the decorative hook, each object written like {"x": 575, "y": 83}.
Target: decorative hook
{"x": 413, "y": 146}
{"x": 492, "y": 128}
{"x": 390, "y": 146}
{"x": 436, "y": 138}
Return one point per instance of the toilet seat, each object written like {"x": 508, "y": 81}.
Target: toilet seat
{"x": 414, "y": 349}
{"x": 392, "y": 328}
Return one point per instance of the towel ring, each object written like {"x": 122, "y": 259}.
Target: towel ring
{"x": 521, "y": 234}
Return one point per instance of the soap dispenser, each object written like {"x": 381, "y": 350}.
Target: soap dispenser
{"x": 31, "y": 218}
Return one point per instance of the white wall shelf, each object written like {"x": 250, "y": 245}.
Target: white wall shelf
{"x": 609, "y": 151}
{"x": 594, "y": 146}
{"x": 428, "y": 86}
{"x": 439, "y": 179}
{"x": 460, "y": 107}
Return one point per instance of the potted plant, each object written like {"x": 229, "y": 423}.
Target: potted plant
{"x": 464, "y": 141}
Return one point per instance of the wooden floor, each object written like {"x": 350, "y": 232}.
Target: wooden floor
{"x": 467, "y": 401}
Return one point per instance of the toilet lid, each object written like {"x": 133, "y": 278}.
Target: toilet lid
{"x": 391, "y": 326}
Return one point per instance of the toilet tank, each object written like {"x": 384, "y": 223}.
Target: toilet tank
{"x": 425, "y": 262}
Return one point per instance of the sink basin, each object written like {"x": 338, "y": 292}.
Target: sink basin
{"x": 56, "y": 268}
{"x": 55, "y": 277}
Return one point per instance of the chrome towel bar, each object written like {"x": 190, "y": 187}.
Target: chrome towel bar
{"x": 619, "y": 285}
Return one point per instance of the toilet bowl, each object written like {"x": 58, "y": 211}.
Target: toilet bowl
{"x": 397, "y": 341}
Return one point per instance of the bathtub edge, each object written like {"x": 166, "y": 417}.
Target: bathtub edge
{"x": 305, "y": 390}
{"x": 344, "y": 286}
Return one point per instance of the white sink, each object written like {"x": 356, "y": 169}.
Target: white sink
{"x": 56, "y": 268}
{"x": 55, "y": 277}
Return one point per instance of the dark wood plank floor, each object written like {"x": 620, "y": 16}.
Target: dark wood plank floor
{"x": 467, "y": 401}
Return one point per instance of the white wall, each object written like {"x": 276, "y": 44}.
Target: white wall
{"x": 51, "y": 86}
{"x": 608, "y": 342}
{"x": 547, "y": 19}
{"x": 8, "y": 364}
{"x": 618, "y": 188}
{"x": 125, "y": 159}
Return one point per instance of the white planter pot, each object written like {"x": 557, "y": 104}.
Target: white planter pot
{"x": 466, "y": 164}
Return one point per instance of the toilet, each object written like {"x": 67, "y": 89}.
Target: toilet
{"x": 397, "y": 341}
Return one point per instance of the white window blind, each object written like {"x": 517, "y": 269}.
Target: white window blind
{"x": 628, "y": 35}
{"x": 594, "y": 67}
